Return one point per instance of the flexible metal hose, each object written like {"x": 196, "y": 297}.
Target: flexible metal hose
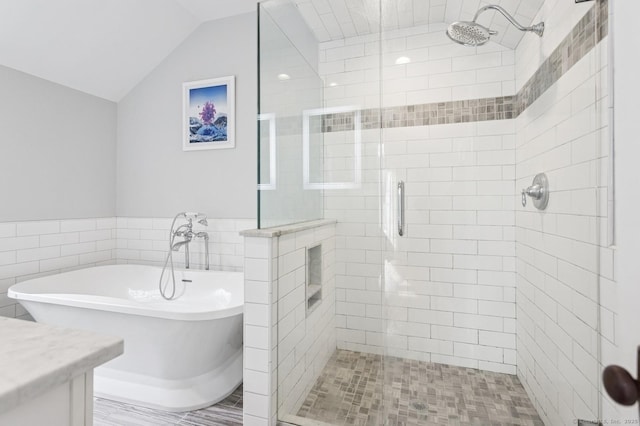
{"x": 169, "y": 260}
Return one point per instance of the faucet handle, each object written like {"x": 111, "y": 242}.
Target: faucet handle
{"x": 534, "y": 191}
{"x": 538, "y": 191}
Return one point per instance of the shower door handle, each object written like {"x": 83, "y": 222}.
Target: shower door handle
{"x": 401, "y": 208}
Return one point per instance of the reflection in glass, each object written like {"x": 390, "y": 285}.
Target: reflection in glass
{"x": 342, "y": 151}
{"x": 268, "y": 152}
{"x": 289, "y": 85}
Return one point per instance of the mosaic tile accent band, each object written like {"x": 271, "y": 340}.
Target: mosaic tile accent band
{"x": 588, "y": 32}
{"x": 574, "y": 47}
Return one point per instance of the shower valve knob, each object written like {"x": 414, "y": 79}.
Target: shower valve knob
{"x": 534, "y": 191}
{"x": 538, "y": 191}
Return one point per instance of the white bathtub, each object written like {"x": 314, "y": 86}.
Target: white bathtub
{"x": 179, "y": 355}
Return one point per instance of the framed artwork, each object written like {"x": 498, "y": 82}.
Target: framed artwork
{"x": 208, "y": 111}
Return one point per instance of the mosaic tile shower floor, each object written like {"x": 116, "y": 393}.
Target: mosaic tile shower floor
{"x": 349, "y": 392}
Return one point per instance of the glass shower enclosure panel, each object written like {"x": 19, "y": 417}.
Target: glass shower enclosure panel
{"x": 329, "y": 169}
{"x": 290, "y": 149}
{"x": 457, "y": 299}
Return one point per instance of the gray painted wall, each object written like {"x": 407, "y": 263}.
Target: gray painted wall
{"x": 155, "y": 178}
{"x": 58, "y": 150}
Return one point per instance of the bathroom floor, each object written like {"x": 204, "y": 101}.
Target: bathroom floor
{"x": 349, "y": 392}
{"x": 110, "y": 413}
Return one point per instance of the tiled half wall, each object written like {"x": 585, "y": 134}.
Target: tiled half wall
{"x": 287, "y": 339}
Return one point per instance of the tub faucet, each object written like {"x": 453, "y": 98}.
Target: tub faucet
{"x": 176, "y": 246}
{"x": 186, "y": 231}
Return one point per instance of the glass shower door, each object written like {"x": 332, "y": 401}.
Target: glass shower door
{"x": 491, "y": 307}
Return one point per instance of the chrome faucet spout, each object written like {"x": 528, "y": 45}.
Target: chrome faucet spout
{"x": 176, "y": 246}
{"x": 182, "y": 230}
{"x": 185, "y": 231}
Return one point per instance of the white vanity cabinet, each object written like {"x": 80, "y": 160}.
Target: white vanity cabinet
{"x": 46, "y": 373}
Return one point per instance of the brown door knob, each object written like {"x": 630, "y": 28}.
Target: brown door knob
{"x": 620, "y": 386}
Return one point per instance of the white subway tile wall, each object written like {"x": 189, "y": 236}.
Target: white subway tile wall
{"x": 560, "y": 17}
{"x": 146, "y": 241}
{"x": 306, "y": 337}
{"x": 562, "y": 253}
{"x": 38, "y": 248}
{"x": 259, "y": 369}
{"x": 438, "y": 71}
{"x": 451, "y": 278}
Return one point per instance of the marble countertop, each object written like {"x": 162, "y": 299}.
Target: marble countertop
{"x": 277, "y": 231}
{"x": 35, "y": 358}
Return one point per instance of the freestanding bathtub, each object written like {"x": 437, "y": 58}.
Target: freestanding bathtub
{"x": 179, "y": 355}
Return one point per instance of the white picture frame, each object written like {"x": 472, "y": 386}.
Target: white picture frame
{"x": 208, "y": 114}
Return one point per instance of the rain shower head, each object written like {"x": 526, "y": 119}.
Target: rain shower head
{"x": 470, "y": 33}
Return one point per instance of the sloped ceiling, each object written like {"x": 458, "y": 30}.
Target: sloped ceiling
{"x": 101, "y": 47}
{"x": 106, "y": 47}
{"x": 337, "y": 19}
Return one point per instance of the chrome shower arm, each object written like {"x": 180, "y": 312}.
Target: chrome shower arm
{"x": 504, "y": 13}
{"x": 537, "y": 28}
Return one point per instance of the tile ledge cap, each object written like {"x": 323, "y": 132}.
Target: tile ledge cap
{"x": 277, "y": 231}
